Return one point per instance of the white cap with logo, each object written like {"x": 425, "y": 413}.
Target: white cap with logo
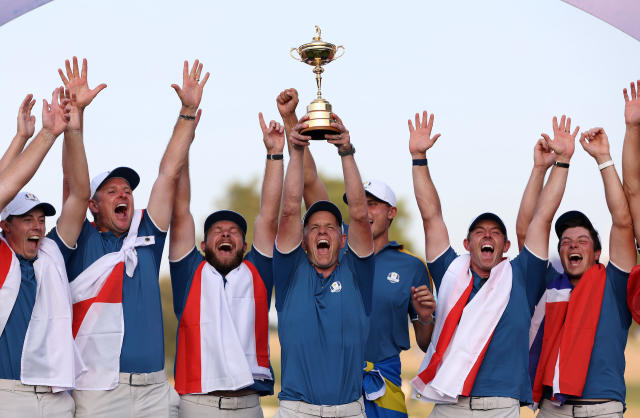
{"x": 25, "y": 202}
{"x": 379, "y": 190}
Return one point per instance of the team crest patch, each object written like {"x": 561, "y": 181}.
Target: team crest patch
{"x": 336, "y": 287}
{"x": 30, "y": 196}
{"x": 393, "y": 277}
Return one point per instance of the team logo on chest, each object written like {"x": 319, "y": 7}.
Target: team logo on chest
{"x": 393, "y": 277}
{"x": 336, "y": 287}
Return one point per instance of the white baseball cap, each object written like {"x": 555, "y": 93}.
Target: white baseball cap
{"x": 25, "y": 202}
{"x": 379, "y": 190}
{"x": 125, "y": 173}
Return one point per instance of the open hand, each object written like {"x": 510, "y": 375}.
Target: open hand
{"x": 596, "y": 143}
{"x": 423, "y": 302}
{"x": 632, "y": 105}
{"x": 287, "y": 102}
{"x": 55, "y": 116}
{"x": 191, "y": 92}
{"x": 342, "y": 140}
{"x": 564, "y": 141}
{"x": 543, "y": 156}
{"x": 273, "y": 136}
{"x": 420, "y": 139}
{"x": 76, "y": 82}
{"x": 26, "y": 121}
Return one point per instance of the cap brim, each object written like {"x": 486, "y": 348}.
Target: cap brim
{"x": 320, "y": 206}
{"x": 126, "y": 173}
{"x": 226, "y": 215}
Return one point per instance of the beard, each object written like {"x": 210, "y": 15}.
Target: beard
{"x": 223, "y": 267}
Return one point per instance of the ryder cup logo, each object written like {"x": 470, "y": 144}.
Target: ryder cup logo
{"x": 30, "y": 196}
{"x": 393, "y": 277}
{"x": 336, "y": 287}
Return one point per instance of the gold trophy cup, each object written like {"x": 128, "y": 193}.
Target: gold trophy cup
{"x": 318, "y": 53}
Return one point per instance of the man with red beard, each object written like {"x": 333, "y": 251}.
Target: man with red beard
{"x": 477, "y": 362}
{"x": 582, "y": 321}
{"x": 114, "y": 269}
{"x": 36, "y": 345}
{"x": 222, "y": 299}
{"x": 323, "y": 304}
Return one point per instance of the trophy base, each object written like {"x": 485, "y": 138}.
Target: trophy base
{"x": 319, "y": 113}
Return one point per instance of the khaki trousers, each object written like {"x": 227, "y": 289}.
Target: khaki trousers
{"x": 139, "y": 395}
{"x": 602, "y": 410}
{"x": 299, "y": 409}
{"x": 483, "y": 407}
{"x": 196, "y": 406}
{"x": 26, "y": 401}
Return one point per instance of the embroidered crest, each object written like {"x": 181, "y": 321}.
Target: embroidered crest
{"x": 366, "y": 184}
{"x": 393, "y": 277}
{"x": 336, "y": 287}
{"x": 30, "y": 196}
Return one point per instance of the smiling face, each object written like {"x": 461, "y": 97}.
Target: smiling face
{"x": 487, "y": 244}
{"x": 322, "y": 241}
{"x": 380, "y": 216}
{"x": 224, "y": 246}
{"x": 112, "y": 206}
{"x": 577, "y": 252}
{"x": 24, "y": 233}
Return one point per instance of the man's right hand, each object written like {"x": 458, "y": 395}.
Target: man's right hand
{"x": 55, "y": 117}
{"x": 297, "y": 139}
{"x": 564, "y": 141}
{"x": 632, "y": 105}
{"x": 543, "y": 156}
{"x": 26, "y": 121}
{"x": 287, "y": 102}
{"x": 76, "y": 82}
{"x": 420, "y": 139}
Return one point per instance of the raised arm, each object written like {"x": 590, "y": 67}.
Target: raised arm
{"x": 630, "y": 153}
{"x": 175, "y": 156}
{"x": 563, "y": 145}
{"x": 55, "y": 117}
{"x": 266, "y": 224}
{"x": 314, "y": 189}
{"x": 26, "y": 128}
{"x": 435, "y": 231}
{"x": 543, "y": 158}
{"x": 77, "y": 190}
{"x": 622, "y": 250}
{"x": 290, "y": 226}
{"x": 360, "y": 237}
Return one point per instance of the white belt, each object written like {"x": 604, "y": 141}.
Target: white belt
{"x": 222, "y": 402}
{"x": 603, "y": 408}
{"x": 142, "y": 379}
{"x": 346, "y": 410}
{"x": 16, "y": 385}
{"x": 486, "y": 402}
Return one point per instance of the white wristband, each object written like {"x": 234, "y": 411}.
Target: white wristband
{"x": 605, "y": 165}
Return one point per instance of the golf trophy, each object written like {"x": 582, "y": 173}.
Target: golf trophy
{"x": 318, "y": 53}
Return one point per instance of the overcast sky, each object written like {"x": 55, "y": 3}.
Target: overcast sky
{"x": 494, "y": 73}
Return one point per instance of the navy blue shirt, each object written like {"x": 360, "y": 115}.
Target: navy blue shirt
{"x": 504, "y": 372}
{"x": 605, "y": 377}
{"x": 12, "y": 338}
{"x": 182, "y": 272}
{"x": 396, "y": 270}
{"x": 143, "y": 343}
{"x": 323, "y": 326}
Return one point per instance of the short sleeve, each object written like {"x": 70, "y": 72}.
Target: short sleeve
{"x": 363, "y": 269}
{"x": 439, "y": 266}
{"x": 536, "y": 273}
{"x": 284, "y": 268}
{"x": 64, "y": 249}
{"x": 264, "y": 265}
{"x": 618, "y": 280}
{"x": 182, "y": 272}
{"x": 148, "y": 227}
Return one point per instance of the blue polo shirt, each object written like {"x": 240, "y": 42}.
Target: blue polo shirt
{"x": 396, "y": 270}
{"x": 12, "y": 338}
{"x": 323, "y": 326}
{"x": 504, "y": 372}
{"x": 182, "y": 272}
{"x": 605, "y": 377}
{"x": 143, "y": 343}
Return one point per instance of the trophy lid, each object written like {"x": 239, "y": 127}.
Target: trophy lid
{"x": 317, "y": 52}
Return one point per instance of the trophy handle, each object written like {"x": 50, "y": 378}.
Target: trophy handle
{"x": 298, "y": 58}
{"x": 338, "y": 56}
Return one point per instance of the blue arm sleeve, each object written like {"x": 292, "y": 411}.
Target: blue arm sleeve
{"x": 66, "y": 251}
{"x": 536, "y": 273}
{"x": 439, "y": 266}
{"x": 264, "y": 265}
{"x": 363, "y": 271}
{"x": 182, "y": 272}
{"x": 284, "y": 268}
